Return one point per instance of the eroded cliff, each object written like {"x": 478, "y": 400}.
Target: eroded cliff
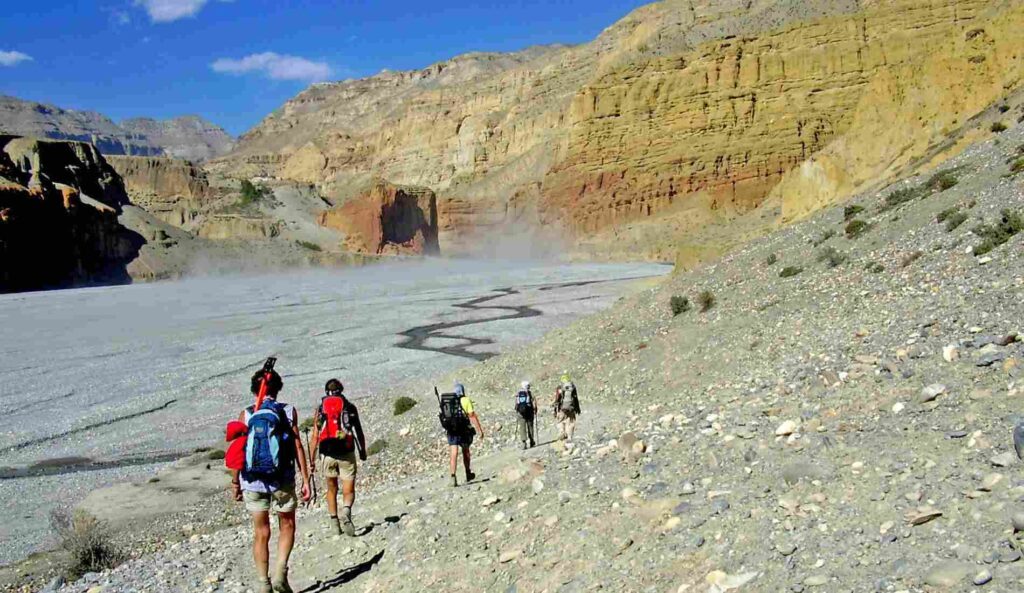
{"x": 387, "y": 219}
{"x": 173, "y": 190}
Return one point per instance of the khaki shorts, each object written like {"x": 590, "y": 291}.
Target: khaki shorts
{"x": 280, "y": 501}
{"x": 343, "y": 467}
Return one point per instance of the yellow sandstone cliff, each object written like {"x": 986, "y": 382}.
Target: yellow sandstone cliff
{"x": 679, "y": 116}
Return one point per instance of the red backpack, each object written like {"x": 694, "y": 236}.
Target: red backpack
{"x": 332, "y": 428}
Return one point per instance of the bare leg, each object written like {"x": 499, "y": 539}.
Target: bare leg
{"x": 261, "y": 544}
{"x": 332, "y": 496}
{"x": 286, "y": 540}
{"x": 454, "y": 450}
{"x": 465, "y": 462}
{"x": 348, "y": 491}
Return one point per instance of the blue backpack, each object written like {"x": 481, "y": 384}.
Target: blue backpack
{"x": 523, "y": 406}
{"x": 269, "y": 443}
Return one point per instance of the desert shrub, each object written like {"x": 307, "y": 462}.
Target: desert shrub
{"x": 306, "y": 425}
{"x": 942, "y": 181}
{"x": 993, "y": 235}
{"x": 403, "y": 405}
{"x": 942, "y": 216}
{"x": 954, "y": 221}
{"x": 87, "y": 541}
{"x": 910, "y": 258}
{"x": 998, "y": 127}
{"x": 822, "y": 238}
{"x": 850, "y": 212}
{"x": 679, "y": 305}
{"x": 251, "y": 193}
{"x": 215, "y": 455}
{"x": 790, "y": 271}
{"x": 901, "y": 196}
{"x": 832, "y": 257}
{"x": 376, "y": 447}
{"x": 1004, "y": 108}
{"x": 309, "y": 245}
{"x": 874, "y": 267}
{"x": 771, "y": 260}
{"x": 1017, "y": 166}
{"x": 705, "y": 300}
{"x": 856, "y": 228}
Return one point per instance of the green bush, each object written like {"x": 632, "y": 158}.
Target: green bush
{"x": 250, "y": 193}
{"x": 706, "y": 300}
{"x": 376, "y": 447}
{"x": 309, "y": 245}
{"x": 790, "y": 271}
{"x": 901, "y": 196}
{"x": 999, "y": 127}
{"x": 954, "y": 221}
{"x": 88, "y": 542}
{"x": 1004, "y": 108}
{"x": 403, "y": 405}
{"x": 874, "y": 267}
{"x": 993, "y": 235}
{"x": 942, "y": 216}
{"x": 215, "y": 455}
{"x": 679, "y": 305}
{"x": 856, "y": 228}
{"x": 306, "y": 425}
{"x": 942, "y": 181}
{"x": 831, "y": 257}
{"x": 1017, "y": 166}
{"x": 825, "y": 236}
{"x": 772, "y": 260}
{"x": 850, "y": 212}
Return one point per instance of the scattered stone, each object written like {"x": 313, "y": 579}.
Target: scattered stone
{"x": 931, "y": 392}
{"x": 948, "y": 574}
{"x": 951, "y": 353}
{"x": 1005, "y": 459}
{"x": 922, "y": 515}
{"x": 982, "y": 578}
{"x": 509, "y": 555}
{"x": 786, "y": 549}
{"x": 816, "y": 580}
{"x": 721, "y": 582}
{"x": 787, "y": 428}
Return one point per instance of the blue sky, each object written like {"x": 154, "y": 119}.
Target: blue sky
{"x": 233, "y": 62}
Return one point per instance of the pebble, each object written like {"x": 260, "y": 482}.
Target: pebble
{"x": 1005, "y": 459}
{"x": 982, "y": 578}
{"x": 931, "y": 392}
{"x": 787, "y": 428}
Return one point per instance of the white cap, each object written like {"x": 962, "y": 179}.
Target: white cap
{"x": 526, "y": 385}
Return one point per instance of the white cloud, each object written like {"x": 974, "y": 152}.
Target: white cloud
{"x": 165, "y": 11}
{"x": 13, "y": 58}
{"x": 275, "y": 66}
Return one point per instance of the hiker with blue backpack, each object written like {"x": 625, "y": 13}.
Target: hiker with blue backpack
{"x": 337, "y": 435}
{"x": 526, "y": 414}
{"x": 266, "y": 481}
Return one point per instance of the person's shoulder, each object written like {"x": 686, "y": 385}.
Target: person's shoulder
{"x": 351, "y": 407}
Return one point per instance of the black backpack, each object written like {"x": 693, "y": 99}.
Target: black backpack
{"x": 523, "y": 406}
{"x": 452, "y": 416}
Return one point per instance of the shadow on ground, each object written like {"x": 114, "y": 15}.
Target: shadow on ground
{"x": 346, "y": 575}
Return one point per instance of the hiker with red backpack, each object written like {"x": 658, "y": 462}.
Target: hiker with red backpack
{"x": 337, "y": 434}
{"x": 266, "y": 481}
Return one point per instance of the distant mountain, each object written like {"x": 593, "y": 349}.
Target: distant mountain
{"x": 189, "y": 137}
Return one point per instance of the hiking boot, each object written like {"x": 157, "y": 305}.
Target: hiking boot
{"x": 263, "y": 586}
{"x": 455, "y": 481}
{"x": 470, "y": 476}
{"x": 346, "y": 523}
{"x": 524, "y": 445}
{"x": 333, "y": 526}
{"x": 280, "y": 582}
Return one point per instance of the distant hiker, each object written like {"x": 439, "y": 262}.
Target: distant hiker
{"x": 267, "y": 481}
{"x": 337, "y": 434}
{"x": 567, "y": 408}
{"x": 526, "y": 408}
{"x": 459, "y": 419}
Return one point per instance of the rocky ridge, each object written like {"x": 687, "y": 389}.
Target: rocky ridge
{"x": 834, "y": 415}
{"x": 188, "y": 137}
{"x": 386, "y": 219}
{"x": 678, "y": 116}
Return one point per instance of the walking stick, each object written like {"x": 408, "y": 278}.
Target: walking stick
{"x": 312, "y": 476}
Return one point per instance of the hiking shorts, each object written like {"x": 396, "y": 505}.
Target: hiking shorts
{"x": 342, "y": 467}
{"x": 463, "y": 439}
{"x": 278, "y": 501}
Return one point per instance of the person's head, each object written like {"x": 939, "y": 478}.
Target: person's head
{"x": 274, "y": 383}
{"x": 525, "y": 385}
{"x": 460, "y": 390}
{"x": 333, "y": 388}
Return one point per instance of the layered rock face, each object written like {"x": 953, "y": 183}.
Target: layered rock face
{"x": 388, "y": 220}
{"x": 680, "y": 105}
{"x": 173, "y": 190}
{"x": 59, "y": 203}
{"x": 187, "y": 137}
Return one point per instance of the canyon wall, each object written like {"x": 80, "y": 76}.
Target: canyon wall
{"x": 679, "y": 113}
{"x": 59, "y": 203}
{"x": 173, "y": 190}
{"x": 387, "y": 219}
